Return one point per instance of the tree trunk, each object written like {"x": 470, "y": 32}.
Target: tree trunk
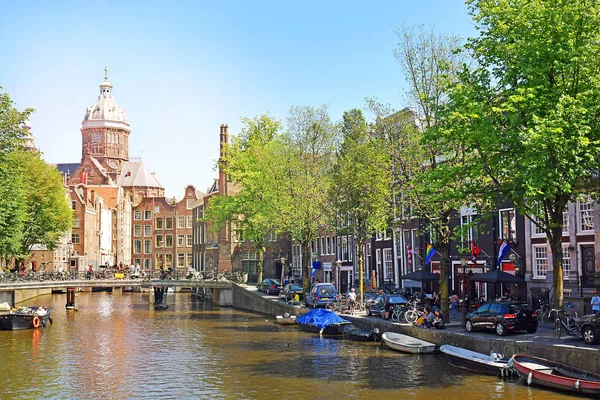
{"x": 306, "y": 264}
{"x": 555, "y": 241}
{"x": 361, "y": 245}
{"x": 259, "y": 266}
{"x": 444, "y": 279}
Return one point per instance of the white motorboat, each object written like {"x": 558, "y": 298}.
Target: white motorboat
{"x": 492, "y": 364}
{"x": 407, "y": 344}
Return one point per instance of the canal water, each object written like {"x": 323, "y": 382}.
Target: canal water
{"x": 116, "y": 346}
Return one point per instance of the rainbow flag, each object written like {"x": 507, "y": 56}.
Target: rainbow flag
{"x": 429, "y": 253}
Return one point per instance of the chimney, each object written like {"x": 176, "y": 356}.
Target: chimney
{"x": 223, "y": 138}
{"x": 93, "y": 197}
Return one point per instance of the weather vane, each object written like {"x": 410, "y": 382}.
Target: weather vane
{"x": 105, "y": 73}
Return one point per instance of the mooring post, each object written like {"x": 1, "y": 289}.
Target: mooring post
{"x": 70, "y": 298}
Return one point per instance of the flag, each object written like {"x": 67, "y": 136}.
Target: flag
{"x": 409, "y": 254}
{"x": 429, "y": 253}
{"x": 504, "y": 248}
{"x": 475, "y": 250}
{"x": 313, "y": 272}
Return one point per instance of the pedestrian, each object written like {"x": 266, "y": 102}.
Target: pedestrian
{"x": 352, "y": 300}
{"x": 453, "y": 305}
{"x": 595, "y": 302}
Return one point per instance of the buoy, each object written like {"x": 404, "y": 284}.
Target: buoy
{"x": 530, "y": 378}
{"x": 576, "y": 385}
{"x": 50, "y": 319}
{"x": 36, "y": 322}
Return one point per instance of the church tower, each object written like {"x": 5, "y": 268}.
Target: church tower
{"x": 105, "y": 132}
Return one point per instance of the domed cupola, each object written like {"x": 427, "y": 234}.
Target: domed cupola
{"x": 105, "y": 112}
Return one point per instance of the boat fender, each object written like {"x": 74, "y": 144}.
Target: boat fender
{"x": 321, "y": 331}
{"x": 43, "y": 323}
{"x": 530, "y": 378}
{"x": 36, "y": 322}
{"x": 50, "y": 319}
{"x": 576, "y": 385}
{"x": 502, "y": 372}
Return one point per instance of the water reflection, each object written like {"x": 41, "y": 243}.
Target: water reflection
{"x": 117, "y": 346}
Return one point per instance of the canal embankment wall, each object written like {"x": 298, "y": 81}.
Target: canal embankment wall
{"x": 14, "y": 297}
{"x": 579, "y": 356}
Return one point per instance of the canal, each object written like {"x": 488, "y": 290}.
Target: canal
{"x": 116, "y": 346}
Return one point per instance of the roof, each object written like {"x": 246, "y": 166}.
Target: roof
{"x": 65, "y": 168}
{"x": 137, "y": 174}
{"x": 105, "y": 111}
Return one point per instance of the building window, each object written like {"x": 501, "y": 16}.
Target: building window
{"x": 147, "y": 230}
{"x": 181, "y": 240}
{"x": 189, "y": 260}
{"x": 137, "y": 215}
{"x": 156, "y": 209}
{"x": 387, "y": 234}
{"x": 469, "y": 228}
{"x": 271, "y": 237}
{"x": 566, "y": 262}
{"x": 76, "y": 222}
{"x": 368, "y": 265}
{"x": 74, "y": 204}
{"x": 180, "y": 259}
{"x": 565, "y": 222}
{"x": 75, "y": 238}
{"x": 344, "y": 248}
{"x": 147, "y": 263}
{"x": 322, "y": 241}
{"x": 137, "y": 230}
{"x": 169, "y": 240}
{"x": 190, "y": 221}
{"x": 537, "y": 230}
{"x": 508, "y": 225}
{"x": 188, "y": 204}
{"x": 96, "y": 137}
{"x": 378, "y": 236}
{"x": 137, "y": 246}
{"x": 388, "y": 263}
{"x": 238, "y": 234}
{"x": 159, "y": 223}
{"x": 190, "y": 240}
{"x": 147, "y": 246}
{"x": 159, "y": 241}
{"x": 249, "y": 263}
{"x": 137, "y": 261}
{"x": 148, "y": 215}
{"x": 540, "y": 261}
{"x": 169, "y": 223}
{"x": 169, "y": 260}
{"x": 378, "y": 259}
{"x": 586, "y": 215}
{"x": 181, "y": 222}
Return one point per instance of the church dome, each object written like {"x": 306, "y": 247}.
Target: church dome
{"x": 105, "y": 112}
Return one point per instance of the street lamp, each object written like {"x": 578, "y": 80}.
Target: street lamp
{"x": 338, "y": 264}
{"x": 464, "y": 261}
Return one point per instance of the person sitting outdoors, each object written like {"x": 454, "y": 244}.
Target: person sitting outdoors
{"x": 422, "y": 320}
{"x": 430, "y": 317}
{"x": 438, "y": 320}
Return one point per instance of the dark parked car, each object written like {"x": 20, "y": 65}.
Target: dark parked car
{"x": 289, "y": 290}
{"x": 379, "y": 303}
{"x": 320, "y": 295}
{"x": 269, "y": 286}
{"x": 590, "y": 328}
{"x": 503, "y": 317}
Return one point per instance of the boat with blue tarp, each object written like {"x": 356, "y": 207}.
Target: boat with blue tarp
{"x": 319, "y": 320}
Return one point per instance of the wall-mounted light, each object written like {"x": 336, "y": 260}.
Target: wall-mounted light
{"x": 571, "y": 248}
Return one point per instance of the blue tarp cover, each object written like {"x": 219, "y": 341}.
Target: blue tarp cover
{"x": 320, "y": 318}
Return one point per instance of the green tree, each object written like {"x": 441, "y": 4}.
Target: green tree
{"x": 12, "y": 209}
{"x": 303, "y": 177}
{"x": 361, "y": 186}
{"x": 528, "y": 110}
{"x": 249, "y": 164}
{"x": 48, "y": 214}
{"x": 427, "y": 175}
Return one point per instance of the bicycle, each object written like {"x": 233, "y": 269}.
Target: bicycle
{"x": 543, "y": 311}
{"x": 570, "y": 325}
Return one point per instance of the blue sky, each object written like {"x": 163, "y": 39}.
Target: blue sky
{"x": 182, "y": 68}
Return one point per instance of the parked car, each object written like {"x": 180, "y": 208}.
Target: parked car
{"x": 590, "y": 328}
{"x": 378, "y": 304}
{"x": 369, "y": 297}
{"x": 320, "y": 295}
{"x": 503, "y": 317}
{"x": 269, "y": 286}
{"x": 289, "y": 291}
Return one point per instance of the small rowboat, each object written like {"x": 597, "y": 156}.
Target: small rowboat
{"x": 407, "y": 344}
{"x": 492, "y": 364}
{"x": 357, "y": 334}
{"x": 551, "y": 374}
{"x": 286, "y": 319}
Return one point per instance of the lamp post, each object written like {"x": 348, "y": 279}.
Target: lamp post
{"x": 464, "y": 262}
{"x": 338, "y": 265}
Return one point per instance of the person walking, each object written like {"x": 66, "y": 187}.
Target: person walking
{"x": 595, "y": 302}
{"x": 453, "y": 305}
{"x": 352, "y": 300}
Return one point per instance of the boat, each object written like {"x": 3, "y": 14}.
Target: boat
{"x": 24, "y": 317}
{"x": 492, "y": 364}
{"x": 322, "y": 321}
{"x": 407, "y": 344}
{"x": 361, "y": 335}
{"x": 286, "y": 319}
{"x": 542, "y": 372}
